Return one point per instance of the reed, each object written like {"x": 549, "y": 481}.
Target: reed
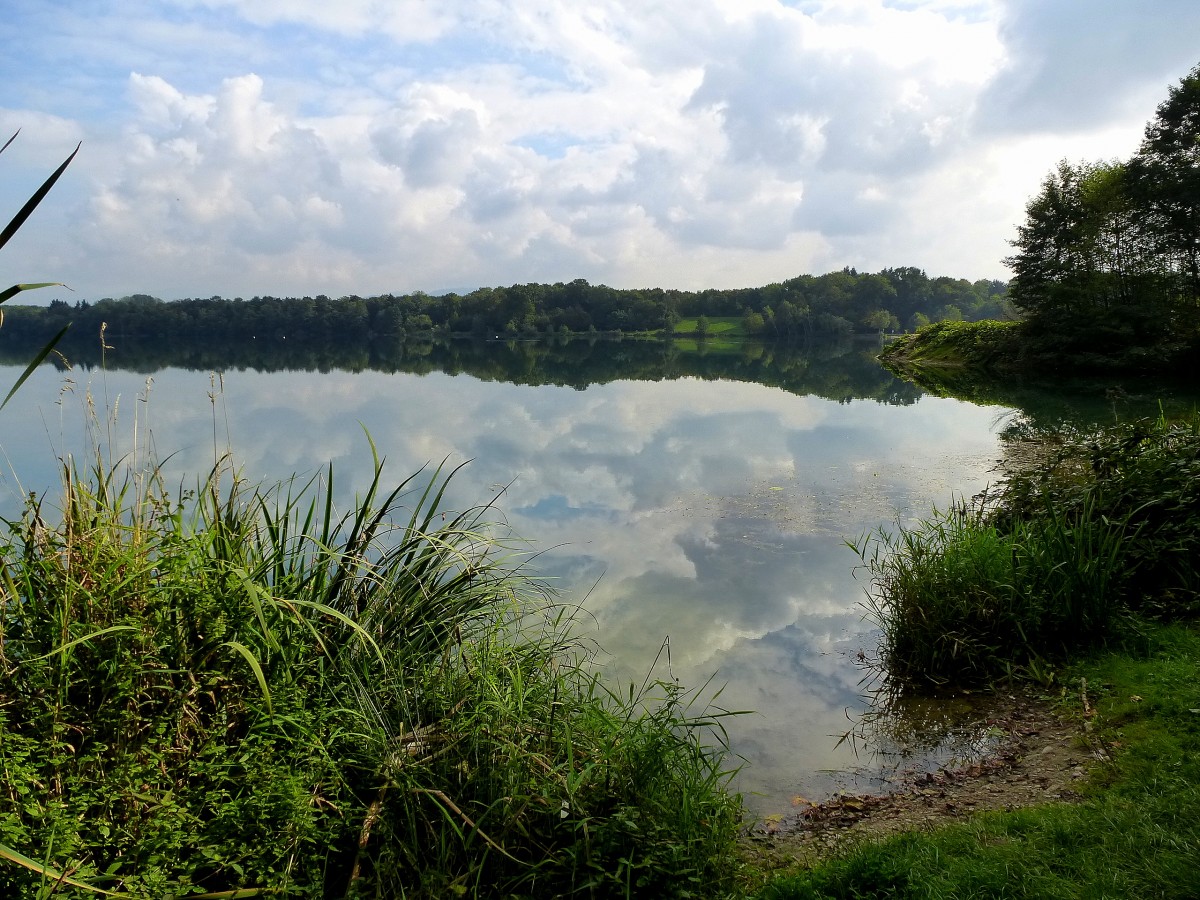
{"x": 1052, "y": 561}
{"x": 962, "y": 600}
{"x": 239, "y": 688}
{"x": 13, "y": 226}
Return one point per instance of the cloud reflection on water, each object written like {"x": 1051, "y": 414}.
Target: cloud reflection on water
{"x": 710, "y": 512}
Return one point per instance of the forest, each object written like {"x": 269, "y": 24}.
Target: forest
{"x": 833, "y": 304}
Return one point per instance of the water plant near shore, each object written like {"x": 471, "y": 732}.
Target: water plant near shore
{"x": 1049, "y": 561}
{"x": 241, "y": 689}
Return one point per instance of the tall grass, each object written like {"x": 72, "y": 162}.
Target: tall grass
{"x": 13, "y": 226}
{"x": 1049, "y": 562}
{"x": 243, "y": 688}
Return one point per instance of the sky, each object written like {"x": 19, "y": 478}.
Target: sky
{"x": 302, "y": 147}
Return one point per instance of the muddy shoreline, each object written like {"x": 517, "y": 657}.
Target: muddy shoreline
{"x": 1046, "y": 751}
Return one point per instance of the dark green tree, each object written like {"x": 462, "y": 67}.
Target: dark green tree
{"x": 1165, "y": 181}
{"x": 1082, "y": 253}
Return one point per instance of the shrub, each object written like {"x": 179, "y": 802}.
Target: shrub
{"x": 1049, "y": 562}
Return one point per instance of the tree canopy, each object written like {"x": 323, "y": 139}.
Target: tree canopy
{"x": 1108, "y": 258}
{"x": 791, "y": 311}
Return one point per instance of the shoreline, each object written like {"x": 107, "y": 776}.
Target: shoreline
{"x": 1045, "y": 755}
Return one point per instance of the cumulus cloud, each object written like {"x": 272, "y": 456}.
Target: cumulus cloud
{"x": 381, "y": 146}
{"x": 431, "y": 137}
{"x": 1077, "y": 64}
{"x": 214, "y": 177}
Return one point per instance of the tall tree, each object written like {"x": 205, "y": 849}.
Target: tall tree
{"x": 1108, "y": 259}
{"x": 1165, "y": 180}
{"x": 1055, "y": 259}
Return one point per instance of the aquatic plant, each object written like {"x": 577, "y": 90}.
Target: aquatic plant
{"x": 1048, "y": 562}
{"x": 961, "y": 600}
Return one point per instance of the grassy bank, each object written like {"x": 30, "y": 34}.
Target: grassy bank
{"x": 979, "y": 345}
{"x": 933, "y": 353}
{"x": 1135, "y": 833}
{"x": 242, "y": 691}
{"x": 1053, "y": 560}
{"x": 1081, "y": 575}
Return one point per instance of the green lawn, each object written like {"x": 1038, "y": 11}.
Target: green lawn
{"x": 718, "y": 326}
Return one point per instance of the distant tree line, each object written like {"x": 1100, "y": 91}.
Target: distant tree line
{"x": 1107, "y": 263}
{"x": 801, "y": 308}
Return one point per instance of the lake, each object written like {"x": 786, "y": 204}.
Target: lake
{"x": 696, "y": 507}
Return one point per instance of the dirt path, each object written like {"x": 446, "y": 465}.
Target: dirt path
{"x": 1041, "y": 759}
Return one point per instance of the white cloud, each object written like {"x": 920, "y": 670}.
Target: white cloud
{"x": 1075, "y": 65}
{"x": 379, "y": 146}
{"x": 432, "y": 137}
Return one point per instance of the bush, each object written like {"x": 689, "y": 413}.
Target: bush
{"x": 1049, "y": 562}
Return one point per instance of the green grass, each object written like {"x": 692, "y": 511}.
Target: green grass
{"x": 718, "y": 327}
{"x": 1137, "y": 834}
{"x": 960, "y": 599}
{"x": 245, "y": 688}
{"x": 981, "y": 345}
{"x": 1053, "y": 561}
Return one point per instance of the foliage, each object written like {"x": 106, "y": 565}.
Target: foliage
{"x": 1137, "y": 835}
{"x": 1050, "y": 561}
{"x": 1107, "y": 263}
{"x": 1145, "y": 475}
{"x": 1165, "y": 181}
{"x": 981, "y": 345}
{"x": 7, "y": 294}
{"x": 240, "y": 688}
{"x": 793, "y": 311}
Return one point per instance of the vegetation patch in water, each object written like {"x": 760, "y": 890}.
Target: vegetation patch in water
{"x": 1049, "y": 562}
{"x": 985, "y": 345}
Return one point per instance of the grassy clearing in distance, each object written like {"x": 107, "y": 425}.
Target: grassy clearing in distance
{"x": 1136, "y": 835}
{"x": 718, "y": 327}
{"x": 239, "y": 688}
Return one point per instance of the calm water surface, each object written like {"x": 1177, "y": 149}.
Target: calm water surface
{"x": 707, "y": 516}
